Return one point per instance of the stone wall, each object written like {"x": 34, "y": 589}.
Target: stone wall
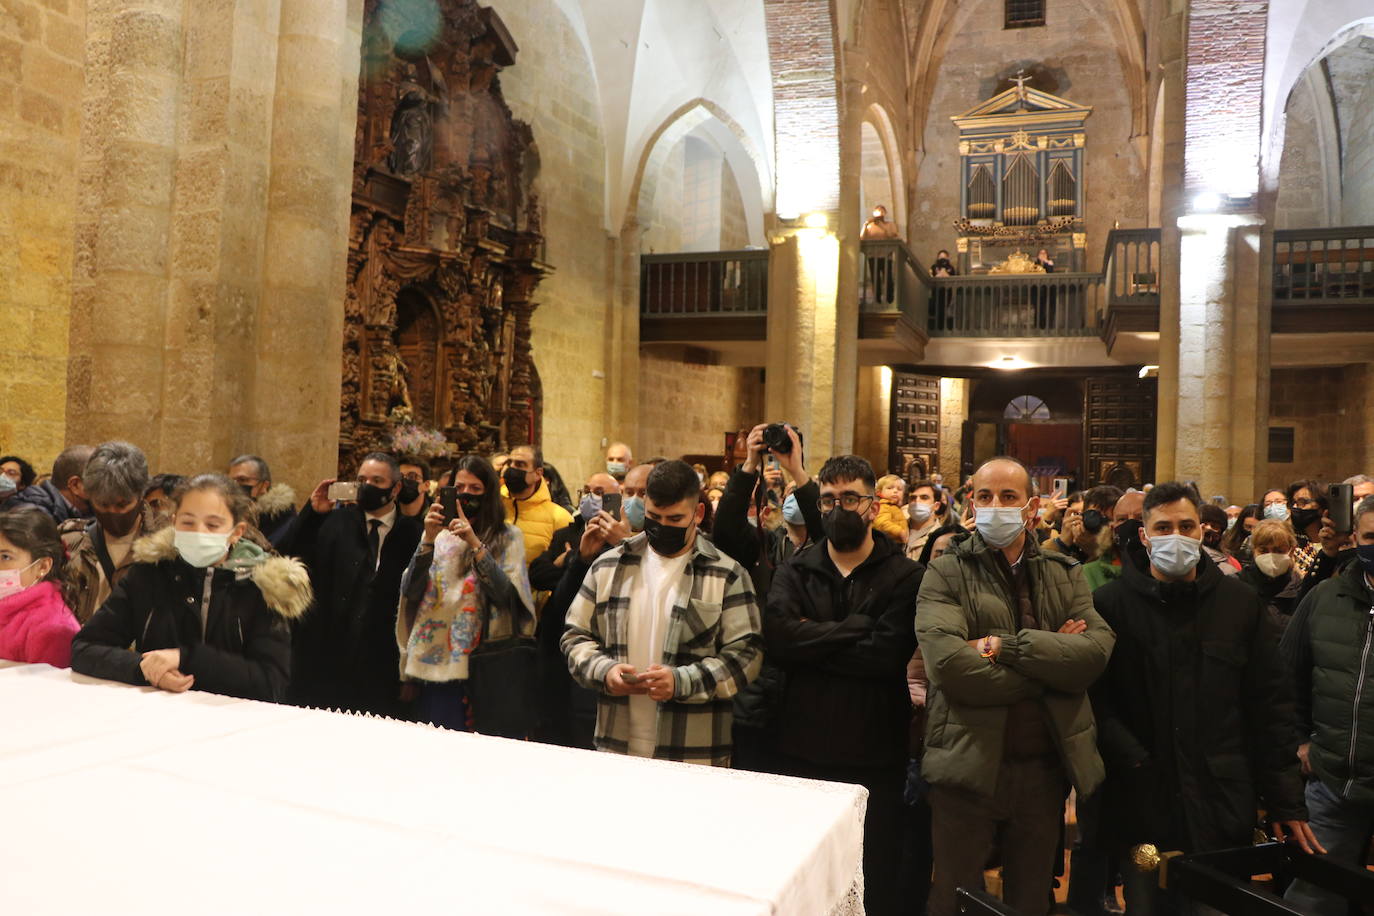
{"x": 872, "y": 418}
{"x": 688, "y": 407}
{"x": 1332, "y": 415}
{"x": 41, "y": 57}
{"x": 1358, "y": 202}
{"x": 1077, "y": 45}
{"x": 1302, "y": 180}
{"x": 552, "y": 88}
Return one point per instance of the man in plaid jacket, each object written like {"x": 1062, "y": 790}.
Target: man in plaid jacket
{"x": 666, "y": 628}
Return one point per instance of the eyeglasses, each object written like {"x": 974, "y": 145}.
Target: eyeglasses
{"x": 849, "y": 501}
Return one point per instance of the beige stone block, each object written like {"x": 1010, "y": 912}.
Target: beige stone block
{"x": 205, "y": 114}
{"x": 190, "y": 315}
{"x": 313, "y": 18}
{"x": 64, "y": 37}
{"x": 138, "y": 174}
{"x": 125, "y": 379}
{"x": 41, "y": 111}
{"x": 195, "y": 242}
{"x": 305, "y": 132}
{"x": 188, "y": 385}
{"x": 11, "y": 55}
{"x": 133, "y": 239}
{"x": 143, "y": 106}
{"x": 22, "y": 18}
{"x": 127, "y": 309}
{"x": 52, "y": 74}
{"x": 143, "y": 39}
{"x": 299, "y": 255}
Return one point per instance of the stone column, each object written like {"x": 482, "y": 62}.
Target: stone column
{"x": 621, "y": 405}
{"x": 849, "y": 223}
{"x": 1215, "y": 325}
{"x": 802, "y": 340}
{"x": 121, "y": 280}
{"x": 299, "y": 332}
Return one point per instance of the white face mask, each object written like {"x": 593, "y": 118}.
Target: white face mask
{"x": 1274, "y": 565}
{"x": 201, "y": 548}
{"x": 999, "y": 526}
{"x": 10, "y": 581}
{"x": 1174, "y": 555}
{"x": 920, "y": 512}
{"x": 1276, "y": 511}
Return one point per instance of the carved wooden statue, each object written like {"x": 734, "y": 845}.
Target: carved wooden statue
{"x": 444, "y": 243}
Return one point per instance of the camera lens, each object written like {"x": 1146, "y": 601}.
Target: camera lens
{"x": 775, "y": 438}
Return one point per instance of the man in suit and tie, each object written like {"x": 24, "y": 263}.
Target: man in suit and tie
{"x": 344, "y": 651}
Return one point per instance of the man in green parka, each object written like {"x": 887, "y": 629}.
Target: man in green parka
{"x": 1011, "y": 644}
{"x": 1328, "y": 648}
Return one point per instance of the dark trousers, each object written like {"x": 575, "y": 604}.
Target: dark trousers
{"x": 882, "y": 825}
{"x": 444, "y": 705}
{"x": 917, "y": 855}
{"x": 1022, "y": 820}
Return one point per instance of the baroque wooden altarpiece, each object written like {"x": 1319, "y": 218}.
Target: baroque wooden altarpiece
{"x": 445, "y": 239}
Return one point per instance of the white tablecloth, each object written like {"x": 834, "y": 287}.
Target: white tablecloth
{"x": 115, "y": 799}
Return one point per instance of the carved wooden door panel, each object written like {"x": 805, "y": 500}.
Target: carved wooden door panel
{"x": 1119, "y": 426}
{"x": 914, "y": 428}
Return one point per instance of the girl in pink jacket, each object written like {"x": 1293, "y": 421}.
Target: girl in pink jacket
{"x": 36, "y": 623}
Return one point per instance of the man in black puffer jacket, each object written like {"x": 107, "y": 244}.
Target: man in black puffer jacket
{"x": 1328, "y": 649}
{"x": 1194, "y": 715}
{"x": 841, "y": 623}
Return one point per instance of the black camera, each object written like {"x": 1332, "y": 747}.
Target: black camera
{"x": 1093, "y": 521}
{"x": 775, "y": 438}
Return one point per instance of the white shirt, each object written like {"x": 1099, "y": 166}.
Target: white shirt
{"x": 652, "y": 596}
{"x": 388, "y": 522}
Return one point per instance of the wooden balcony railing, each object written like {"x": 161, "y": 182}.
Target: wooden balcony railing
{"x": 1130, "y": 267}
{"x": 704, "y": 283}
{"x": 1324, "y": 266}
{"x": 894, "y": 282}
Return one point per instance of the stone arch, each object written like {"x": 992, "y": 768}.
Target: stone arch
{"x": 941, "y": 20}
{"x": 745, "y": 160}
{"x": 877, "y": 119}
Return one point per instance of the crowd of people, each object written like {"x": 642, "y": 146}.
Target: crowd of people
{"x": 971, "y": 656}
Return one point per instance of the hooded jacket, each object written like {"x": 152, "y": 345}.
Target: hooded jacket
{"x": 1329, "y": 651}
{"x": 844, "y": 643}
{"x": 36, "y": 626}
{"x": 89, "y": 564}
{"x": 537, "y": 516}
{"x": 965, "y": 596}
{"x": 240, "y": 645}
{"x": 1195, "y": 714}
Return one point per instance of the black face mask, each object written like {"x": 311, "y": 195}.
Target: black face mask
{"x": 471, "y": 504}
{"x": 1128, "y": 533}
{"x": 515, "y": 482}
{"x": 845, "y": 530}
{"x": 247, "y": 489}
{"x": 409, "y": 491}
{"x": 1211, "y": 538}
{"x": 371, "y": 498}
{"x": 666, "y": 540}
{"x": 119, "y": 524}
{"x": 1304, "y": 518}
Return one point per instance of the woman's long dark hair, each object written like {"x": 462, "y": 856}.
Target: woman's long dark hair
{"x": 1234, "y": 539}
{"x": 490, "y": 523}
{"x": 33, "y": 531}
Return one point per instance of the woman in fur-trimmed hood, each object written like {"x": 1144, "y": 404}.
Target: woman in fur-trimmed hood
{"x": 203, "y": 606}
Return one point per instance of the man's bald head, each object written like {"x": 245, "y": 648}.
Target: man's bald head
{"x": 602, "y": 483}
{"x": 636, "y": 480}
{"x": 1001, "y": 480}
{"x": 1131, "y": 505}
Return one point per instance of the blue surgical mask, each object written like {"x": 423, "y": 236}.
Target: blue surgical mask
{"x": 616, "y": 469}
{"x": 1174, "y": 555}
{"x": 999, "y": 526}
{"x": 590, "y": 505}
{"x": 632, "y": 510}
{"x": 791, "y": 510}
{"x": 1276, "y": 511}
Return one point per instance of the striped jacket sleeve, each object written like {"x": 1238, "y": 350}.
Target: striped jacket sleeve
{"x": 739, "y": 653}
{"x": 584, "y": 641}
